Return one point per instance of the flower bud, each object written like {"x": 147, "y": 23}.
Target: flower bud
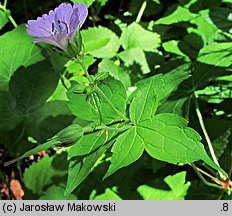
{"x": 70, "y": 134}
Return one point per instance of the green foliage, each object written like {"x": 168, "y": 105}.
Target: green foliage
{"x": 176, "y": 183}
{"x": 125, "y": 119}
{"x": 56, "y": 193}
{"x": 42, "y": 173}
{"x": 100, "y": 42}
{"x": 16, "y": 50}
{"x": 4, "y": 18}
{"x": 108, "y": 195}
{"x": 134, "y": 36}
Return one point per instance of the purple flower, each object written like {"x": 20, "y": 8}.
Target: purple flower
{"x": 60, "y": 26}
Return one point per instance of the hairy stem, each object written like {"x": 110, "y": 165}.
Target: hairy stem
{"x": 200, "y": 118}
{"x": 141, "y": 11}
{"x": 101, "y": 93}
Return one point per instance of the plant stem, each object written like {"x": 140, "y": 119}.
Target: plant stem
{"x": 200, "y": 118}
{"x": 101, "y": 93}
{"x": 196, "y": 169}
{"x": 101, "y": 127}
{"x": 86, "y": 71}
{"x": 5, "y": 3}
{"x": 13, "y": 21}
{"x": 141, "y": 11}
{"x": 3, "y": 7}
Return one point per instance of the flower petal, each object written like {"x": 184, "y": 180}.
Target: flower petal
{"x": 58, "y": 41}
{"x": 78, "y": 16}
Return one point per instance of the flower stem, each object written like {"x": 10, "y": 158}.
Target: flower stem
{"x": 141, "y": 11}
{"x": 85, "y": 70}
{"x": 200, "y": 118}
{"x": 101, "y": 93}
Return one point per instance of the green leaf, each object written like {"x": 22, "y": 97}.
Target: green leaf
{"x": 9, "y": 114}
{"x": 88, "y": 3}
{"x": 135, "y": 56}
{"x": 56, "y": 193}
{"x": 100, "y": 42}
{"x": 205, "y": 28}
{"x": 38, "y": 175}
{"x": 222, "y": 18}
{"x": 4, "y": 18}
{"x": 48, "y": 114}
{"x": 44, "y": 172}
{"x": 191, "y": 45}
{"x": 33, "y": 85}
{"x": 172, "y": 47}
{"x": 16, "y": 50}
{"x": 134, "y": 36}
{"x": 90, "y": 142}
{"x": 75, "y": 68}
{"x": 165, "y": 84}
{"x": 102, "y": 2}
{"x": 181, "y": 14}
{"x": 115, "y": 91}
{"x": 76, "y": 101}
{"x": 176, "y": 183}
{"x": 80, "y": 168}
{"x": 219, "y": 131}
{"x": 144, "y": 104}
{"x": 108, "y": 195}
{"x": 218, "y": 54}
{"x": 107, "y": 65}
{"x": 128, "y": 148}
{"x": 168, "y": 138}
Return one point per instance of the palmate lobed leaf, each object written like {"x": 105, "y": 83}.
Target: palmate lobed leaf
{"x": 165, "y": 136}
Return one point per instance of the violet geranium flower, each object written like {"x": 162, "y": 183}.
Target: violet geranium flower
{"x": 60, "y": 26}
